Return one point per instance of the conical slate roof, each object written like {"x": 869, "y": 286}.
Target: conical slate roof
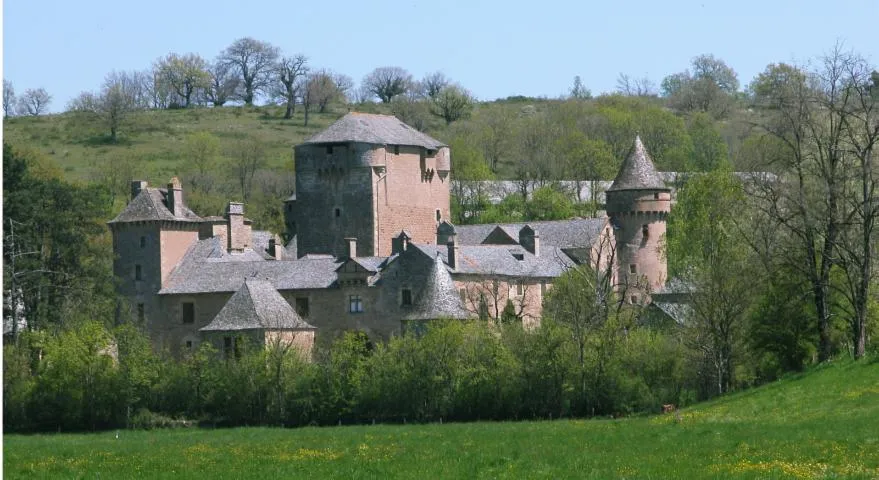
{"x": 439, "y": 298}
{"x": 375, "y": 129}
{"x": 257, "y": 305}
{"x": 638, "y": 172}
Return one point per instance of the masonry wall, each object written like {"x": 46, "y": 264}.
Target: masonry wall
{"x": 408, "y": 196}
{"x": 173, "y": 333}
{"x": 128, "y": 255}
{"x": 175, "y": 240}
{"x": 528, "y": 302}
{"x": 327, "y": 182}
{"x": 640, "y": 259}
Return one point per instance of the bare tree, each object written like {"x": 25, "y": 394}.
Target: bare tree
{"x": 223, "y": 83}
{"x": 253, "y": 60}
{"x": 452, "y": 103}
{"x": 635, "y": 87}
{"x": 323, "y": 89}
{"x": 579, "y": 91}
{"x": 344, "y": 84}
{"x": 433, "y": 83}
{"x": 8, "y": 98}
{"x": 184, "y": 75}
{"x": 388, "y": 82}
{"x": 34, "y": 102}
{"x": 288, "y": 71}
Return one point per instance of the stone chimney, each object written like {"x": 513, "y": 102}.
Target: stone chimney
{"x": 453, "y": 252}
{"x": 529, "y": 238}
{"x": 235, "y": 231}
{"x": 136, "y": 187}
{"x": 275, "y": 250}
{"x": 352, "y": 246}
{"x": 445, "y": 232}
{"x": 175, "y": 197}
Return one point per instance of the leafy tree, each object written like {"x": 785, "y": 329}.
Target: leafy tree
{"x": 184, "y": 75}
{"x": 433, "y": 83}
{"x": 202, "y": 149}
{"x": 706, "y": 251}
{"x": 113, "y": 105}
{"x": 388, "y": 82}
{"x": 709, "y": 149}
{"x": 452, "y": 103}
{"x": 223, "y": 83}
{"x": 548, "y": 203}
{"x": 710, "y": 88}
{"x": 469, "y": 192}
{"x": 579, "y": 91}
{"x": 253, "y": 60}
{"x": 245, "y": 157}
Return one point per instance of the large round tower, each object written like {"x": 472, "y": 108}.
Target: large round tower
{"x": 638, "y": 204}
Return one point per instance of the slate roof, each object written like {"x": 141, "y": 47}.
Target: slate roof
{"x": 638, "y": 172}
{"x": 207, "y": 268}
{"x": 374, "y": 129}
{"x": 555, "y": 233}
{"x": 438, "y": 298}
{"x": 257, "y": 305}
{"x": 148, "y": 205}
{"x": 500, "y": 260}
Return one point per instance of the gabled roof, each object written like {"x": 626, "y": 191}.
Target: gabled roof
{"x": 438, "y": 298}
{"x": 576, "y": 233}
{"x": 638, "y": 172}
{"x": 374, "y": 129}
{"x": 502, "y": 260}
{"x": 257, "y": 305}
{"x": 502, "y": 235}
{"x": 149, "y": 204}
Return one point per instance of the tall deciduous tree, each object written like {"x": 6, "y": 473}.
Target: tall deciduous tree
{"x": 223, "y": 83}
{"x": 635, "y": 87}
{"x": 253, "y": 60}
{"x": 452, "y": 103}
{"x": 184, "y": 75}
{"x": 710, "y": 88}
{"x": 34, "y": 102}
{"x": 433, "y": 83}
{"x": 388, "y": 82}
{"x": 288, "y": 71}
{"x": 246, "y": 157}
{"x": 113, "y": 104}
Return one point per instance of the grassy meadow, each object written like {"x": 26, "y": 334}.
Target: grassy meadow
{"x": 820, "y": 424}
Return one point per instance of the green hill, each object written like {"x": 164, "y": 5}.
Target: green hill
{"x": 820, "y": 424}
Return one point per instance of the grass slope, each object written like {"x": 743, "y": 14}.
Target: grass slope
{"x": 823, "y": 424}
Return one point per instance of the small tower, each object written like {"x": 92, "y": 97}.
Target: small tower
{"x": 638, "y": 204}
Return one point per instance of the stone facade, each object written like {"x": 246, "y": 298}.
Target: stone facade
{"x": 371, "y": 248}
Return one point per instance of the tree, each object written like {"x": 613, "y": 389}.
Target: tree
{"x": 246, "y": 157}
{"x": 113, "y": 104}
{"x": 202, "y": 150}
{"x": 223, "y": 83}
{"x": 579, "y": 91}
{"x": 433, "y": 83}
{"x": 288, "y": 70}
{"x": 586, "y": 160}
{"x": 709, "y": 149}
{"x": 34, "y": 102}
{"x": 184, "y": 75}
{"x": 388, "y": 82}
{"x": 635, "y": 87}
{"x": 710, "y": 88}
{"x": 412, "y": 109}
{"x": 707, "y": 252}
{"x": 8, "y": 98}
{"x": 253, "y": 60}
{"x": 452, "y": 103}
{"x": 324, "y": 89}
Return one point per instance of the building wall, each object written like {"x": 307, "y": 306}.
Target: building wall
{"x": 325, "y": 182}
{"x": 173, "y": 333}
{"x": 175, "y": 240}
{"x": 128, "y": 255}
{"x": 527, "y": 300}
{"x": 409, "y": 193}
{"x": 632, "y": 211}
{"x": 301, "y": 340}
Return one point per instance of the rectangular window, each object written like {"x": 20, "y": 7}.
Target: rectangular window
{"x": 302, "y": 307}
{"x": 634, "y": 299}
{"x": 406, "y": 297}
{"x": 188, "y": 312}
{"x": 396, "y": 149}
{"x": 337, "y": 212}
{"x": 355, "y": 304}
{"x": 329, "y": 150}
{"x": 645, "y": 231}
{"x": 138, "y": 273}
{"x": 140, "y": 312}
{"x": 227, "y": 346}
{"x": 189, "y": 344}
{"x": 517, "y": 289}
{"x": 633, "y": 268}
{"x": 142, "y": 242}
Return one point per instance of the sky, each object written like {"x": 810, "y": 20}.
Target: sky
{"x": 494, "y": 49}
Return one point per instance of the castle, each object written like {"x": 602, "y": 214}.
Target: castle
{"x": 371, "y": 248}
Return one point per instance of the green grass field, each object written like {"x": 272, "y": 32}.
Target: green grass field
{"x": 822, "y": 424}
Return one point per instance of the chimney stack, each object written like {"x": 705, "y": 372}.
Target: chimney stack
{"x": 136, "y": 187}
{"x": 235, "y": 227}
{"x": 175, "y": 197}
{"x": 352, "y": 246}
{"x": 274, "y": 250}
{"x": 453, "y": 252}
{"x": 529, "y": 238}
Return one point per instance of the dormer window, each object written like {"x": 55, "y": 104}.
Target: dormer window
{"x": 519, "y": 256}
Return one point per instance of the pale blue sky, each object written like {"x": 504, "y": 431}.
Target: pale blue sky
{"x": 495, "y": 49}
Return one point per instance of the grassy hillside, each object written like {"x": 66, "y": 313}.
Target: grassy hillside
{"x": 821, "y": 424}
